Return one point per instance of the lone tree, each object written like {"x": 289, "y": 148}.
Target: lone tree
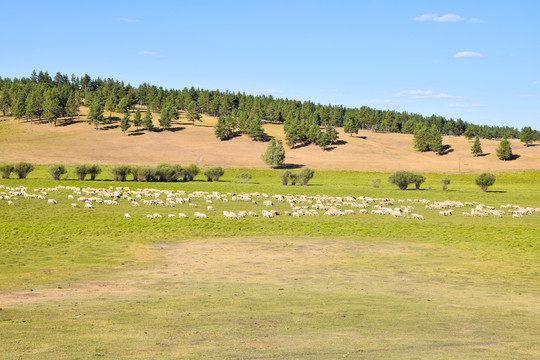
{"x": 485, "y": 180}
{"x": 95, "y": 115}
{"x": 137, "y": 122}
{"x": 165, "y": 119}
{"x": 214, "y": 173}
{"x": 436, "y": 140}
{"x": 402, "y": 179}
{"x": 417, "y": 180}
{"x": 94, "y": 170}
{"x": 81, "y": 171}
{"x": 193, "y": 112}
{"x": 275, "y": 153}
{"x": 527, "y": 136}
{"x": 147, "y": 122}
{"x": 476, "y": 148}
{"x": 504, "y": 150}
{"x": 6, "y": 170}
{"x": 124, "y": 124}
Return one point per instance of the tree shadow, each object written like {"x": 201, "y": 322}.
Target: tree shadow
{"x": 496, "y": 191}
{"x": 171, "y": 129}
{"x": 483, "y": 154}
{"x": 289, "y": 166}
{"x": 109, "y": 127}
{"x": 340, "y": 142}
{"x": 513, "y": 157}
{"x": 136, "y": 133}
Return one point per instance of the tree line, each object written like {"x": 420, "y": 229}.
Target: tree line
{"x": 42, "y": 96}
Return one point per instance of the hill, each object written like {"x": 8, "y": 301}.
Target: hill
{"x": 78, "y": 142}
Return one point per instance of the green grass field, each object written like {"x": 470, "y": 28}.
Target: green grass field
{"x": 77, "y": 283}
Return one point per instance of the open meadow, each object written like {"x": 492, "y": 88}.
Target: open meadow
{"x": 79, "y": 282}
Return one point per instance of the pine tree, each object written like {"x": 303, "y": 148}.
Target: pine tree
{"x": 255, "y": 128}
{"x": 504, "y": 150}
{"x": 351, "y": 125}
{"x": 313, "y": 133}
{"x": 323, "y": 141}
{"x": 19, "y": 110}
{"x": 436, "y": 140}
{"x": 421, "y": 138}
{"x": 193, "y": 112}
{"x": 32, "y": 106}
{"x": 52, "y": 107}
{"x": 165, "y": 119}
{"x": 527, "y": 136}
{"x": 71, "y": 106}
{"x": 137, "y": 119}
{"x": 125, "y": 124}
{"x": 476, "y": 148}
{"x": 96, "y": 114}
{"x": 147, "y": 121}
{"x": 332, "y": 134}
{"x": 110, "y": 106}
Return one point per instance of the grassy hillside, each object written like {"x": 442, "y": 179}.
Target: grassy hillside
{"x": 78, "y": 142}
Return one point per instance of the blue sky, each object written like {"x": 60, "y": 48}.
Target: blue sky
{"x": 475, "y": 60}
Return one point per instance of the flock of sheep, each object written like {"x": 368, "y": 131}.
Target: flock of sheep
{"x": 297, "y": 205}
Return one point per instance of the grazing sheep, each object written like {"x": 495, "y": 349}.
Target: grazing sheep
{"x": 157, "y": 216}
{"x": 200, "y": 215}
{"x": 70, "y": 197}
{"x": 171, "y": 216}
{"x": 182, "y": 216}
{"x": 88, "y": 206}
{"x": 192, "y": 205}
{"x": 75, "y": 205}
{"x": 127, "y": 216}
{"x": 10, "y": 203}
{"x": 149, "y": 216}
{"x": 51, "y": 201}
{"x": 210, "y": 208}
{"x": 417, "y": 217}
{"x": 268, "y": 203}
{"x": 517, "y": 215}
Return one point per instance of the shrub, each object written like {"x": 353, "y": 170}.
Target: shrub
{"x": 305, "y": 175}
{"x": 57, "y": 170}
{"x": 293, "y": 177}
{"x": 168, "y": 173}
{"x": 6, "y": 170}
{"x": 23, "y": 169}
{"x": 285, "y": 175}
{"x": 402, "y": 179}
{"x": 417, "y": 180}
{"x": 485, "y": 180}
{"x": 376, "y": 183}
{"x": 94, "y": 170}
{"x": 214, "y": 173}
{"x": 144, "y": 173}
{"x": 243, "y": 177}
{"x": 190, "y": 171}
{"x": 81, "y": 171}
{"x": 445, "y": 182}
{"x": 120, "y": 172}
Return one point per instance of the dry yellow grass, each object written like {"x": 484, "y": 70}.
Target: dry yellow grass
{"x": 369, "y": 151}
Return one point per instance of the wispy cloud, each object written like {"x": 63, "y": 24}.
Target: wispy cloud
{"x": 151, "y": 53}
{"x": 467, "y": 54}
{"x": 128, "y": 19}
{"x": 528, "y": 96}
{"x": 437, "y": 18}
{"x": 465, "y": 106}
{"x": 476, "y": 20}
{"x": 425, "y": 94}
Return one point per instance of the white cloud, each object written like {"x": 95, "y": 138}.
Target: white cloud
{"x": 128, "y": 19}
{"x": 425, "y": 94}
{"x": 435, "y": 17}
{"x": 151, "y": 53}
{"x": 467, "y": 54}
{"x": 476, "y": 20}
{"x": 465, "y": 106}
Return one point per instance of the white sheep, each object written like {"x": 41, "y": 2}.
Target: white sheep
{"x": 127, "y": 216}
{"x": 51, "y": 201}
{"x": 182, "y": 216}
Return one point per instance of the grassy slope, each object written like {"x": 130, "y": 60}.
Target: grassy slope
{"x": 374, "y": 287}
{"x": 370, "y": 151}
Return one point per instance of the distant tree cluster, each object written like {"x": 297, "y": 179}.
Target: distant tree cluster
{"x": 41, "y": 96}
{"x": 428, "y": 139}
{"x": 238, "y": 123}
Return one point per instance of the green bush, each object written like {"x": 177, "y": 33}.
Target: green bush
{"x": 285, "y": 175}
{"x": 120, "y": 172}
{"x": 81, "y": 171}
{"x": 243, "y": 177}
{"x": 305, "y": 175}
{"x": 144, "y": 173}
{"x": 375, "y": 183}
{"x": 485, "y": 180}
{"x": 23, "y": 169}
{"x": 94, "y": 170}
{"x": 402, "y": 179}
{"x": 168, "y": 173}
{"x": 190, "y": 171}
{"x": 445, "y": 182}
{"x": 6, "y": 170}
{"x": 57, "y": 170}
{"x": 214, "y": 173}
{"x": 293, "y": 177}
{"x": 417, "y": 180}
